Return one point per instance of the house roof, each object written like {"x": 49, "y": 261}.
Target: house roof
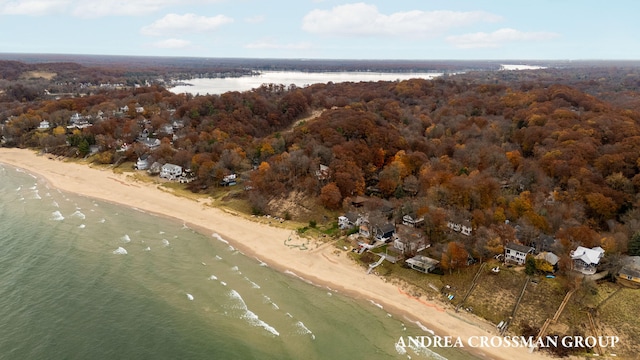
{"x": 422, "y": 261}
{"x": 631, "y": 266}
{"x": 518, "y": 247}
{"x": 387, "y": 228}
{"x": 551, "y": 258}
{"x": 589, "y": 256}
{"x": 171, "y": 167}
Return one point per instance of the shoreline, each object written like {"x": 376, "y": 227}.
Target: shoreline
{"x": 321, "y": 263}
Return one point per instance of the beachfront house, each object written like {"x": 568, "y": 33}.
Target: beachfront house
{"x": 349, "y": 220}
{"x": 364, "y": 229}
{"x": 229, "y": 180}
{"x": 422, "y": 263}
{"x": 586, "y": 260}
{"x": 170, "y": 171}
{"x": 516, "y": 253}
{"x": 550, "y": 258}
{"x": 407, "y": 241}
{"x": 384, "y": 232}
{"x": 630, "y": 271}
{"x": 142, "y": 163}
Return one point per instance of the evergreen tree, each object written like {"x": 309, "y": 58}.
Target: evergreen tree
{"x": 634, "y": 244}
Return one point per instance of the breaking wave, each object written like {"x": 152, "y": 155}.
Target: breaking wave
{"x": 248, "y": 315}
{"x": 57, "y": 216}
{"x": 120, "y": 251}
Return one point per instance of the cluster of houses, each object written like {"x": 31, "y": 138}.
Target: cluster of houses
{"x": 404, "y": 241}
{"x": 584, "y": 260}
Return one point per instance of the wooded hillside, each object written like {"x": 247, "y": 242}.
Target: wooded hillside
{"x": 554, "y": 152}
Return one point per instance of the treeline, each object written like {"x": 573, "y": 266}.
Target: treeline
{"x": 553, "y": 153}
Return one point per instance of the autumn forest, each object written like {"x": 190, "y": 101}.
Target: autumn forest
{"x": 516, "y": 155}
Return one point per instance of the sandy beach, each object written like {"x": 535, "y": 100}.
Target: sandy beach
{"x": 322, "y": 265}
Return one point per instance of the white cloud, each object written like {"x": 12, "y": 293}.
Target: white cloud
{"x": 268, "y": 44}
{"x": 32, "y": 7}
{"x": 364, "y": 19}
{"x": 172, "y": 44}
{"x": 187, "y": 23}
{"x": 497, "y": 38}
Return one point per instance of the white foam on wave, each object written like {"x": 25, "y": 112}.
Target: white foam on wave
{"x": 234, "y": 268}
{"x": 125, "y": 239}
{"x": 262, "y": 263}
{"x": 120, "y": 251}
{"x": 55, "y": 204}
{"x": 101, "y": 221}
{"x": 215, "y": 235}
{"x": 33, "y": 187}
{"x": 218, "y": 257}
{"x": 376, "y": 304}
{"x": 267, "y": 300}
{"x": 82, "y": 226}
{"x": 213, "y": 277}
{"x": 147, "y": 248}
{"x": 79, "y": 215}
{"x": 165, "y": 242}
{"x": 253, "y": 285}
{"x": 36, "y": 195}
{"x": 424, "y": 351}
{"x": 190, "y": 297}
{"x": 19, "y": 188}
{"x": 161, "y": 233}
{"x": 303, "y": 330}
{"x": 422, "y": 327}
{"x": 57, "y": 216}
{"x": 223, "y": 283}
{"x": 249, "y": 315}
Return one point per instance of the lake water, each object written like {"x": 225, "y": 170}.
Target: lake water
{"x": 221, "y": 85}
{"x": 85, "y": 279}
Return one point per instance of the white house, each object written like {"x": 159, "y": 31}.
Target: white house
{"x": 411, "y": 221}
{"x": 349, "y": 220}
{"x": 422, "y": 263}
{"x": 44, "y": 124}
{"x": 516, "y": 253}
{"x": 586, "y": 260}
{"x": 170, "y": 171}
{"x": 142, "y": 163}
{"x": 229, "y": 180}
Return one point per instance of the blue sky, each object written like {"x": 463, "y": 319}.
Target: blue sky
{"x": 325, "y": 29}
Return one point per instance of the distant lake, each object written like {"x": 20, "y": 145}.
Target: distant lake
{"x": 301, "y": 79}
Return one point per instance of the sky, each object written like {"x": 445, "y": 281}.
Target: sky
{"x": 326, "y": 29}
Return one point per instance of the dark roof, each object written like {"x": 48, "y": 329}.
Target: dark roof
{"x": 518, "y": 247}
{"x": 387, "y": 228}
